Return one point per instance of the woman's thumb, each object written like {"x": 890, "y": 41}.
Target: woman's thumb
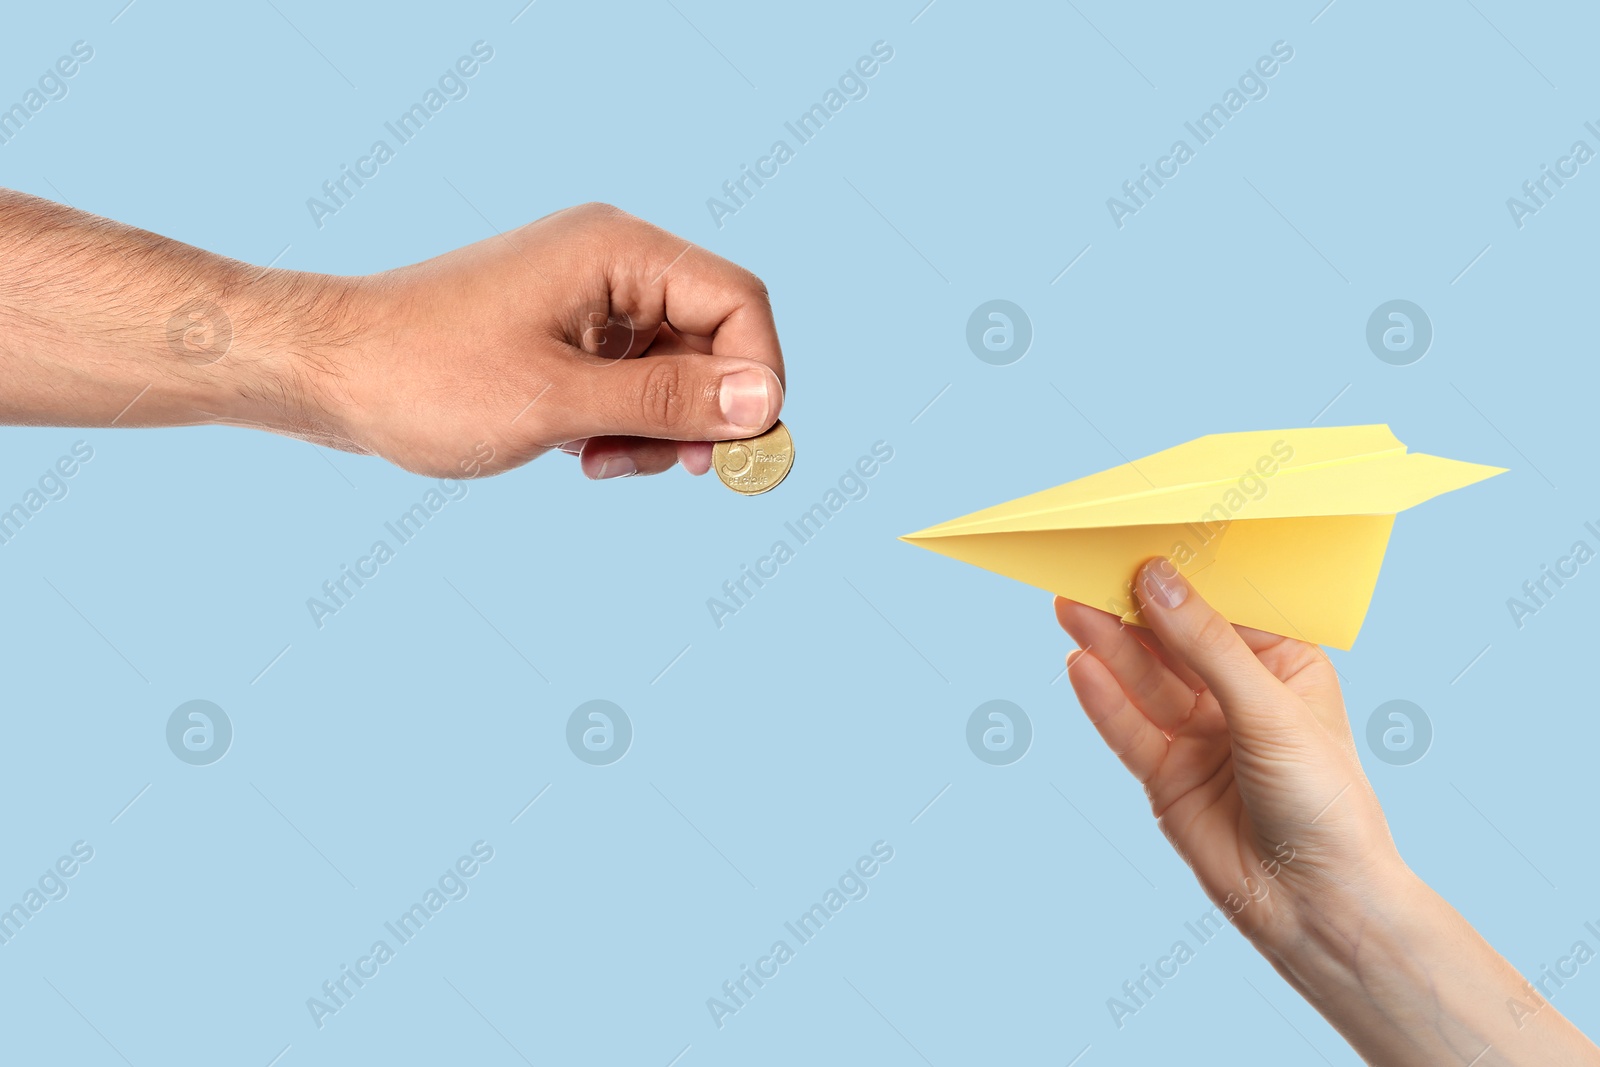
{"x": 1193, "y": 631}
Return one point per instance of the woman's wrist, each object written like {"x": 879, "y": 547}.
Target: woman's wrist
{"x": 1342, "y": 939}
{"x": 1407, "y": 980}
{"x": 1377, "y": 963}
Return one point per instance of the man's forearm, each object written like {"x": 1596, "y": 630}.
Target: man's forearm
{"x": 512, "y": 346}
{"x": 103, "y": 324}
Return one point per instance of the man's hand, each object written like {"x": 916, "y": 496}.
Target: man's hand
{"x": 587, "y": 330}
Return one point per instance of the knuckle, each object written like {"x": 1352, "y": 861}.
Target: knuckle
{"x": 755, "y": 290}
{"x": 1147, "y": 685}
{"x": 596, "y": 209}
{"x": 597, "y": 221}
{"x": 1214, "y": 635}
{"x": 663, "y": 396}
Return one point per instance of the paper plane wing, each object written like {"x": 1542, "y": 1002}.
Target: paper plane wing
{"x": 1282, "y": 530}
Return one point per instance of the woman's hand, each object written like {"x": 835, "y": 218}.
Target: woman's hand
{"x": 1242, "y": 744}
{"x": 1241, "y": 741}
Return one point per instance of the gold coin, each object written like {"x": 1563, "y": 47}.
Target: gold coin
{"x": 754, "y": 464}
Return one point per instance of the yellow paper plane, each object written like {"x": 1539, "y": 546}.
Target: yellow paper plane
{"x": 1281, "y": 530}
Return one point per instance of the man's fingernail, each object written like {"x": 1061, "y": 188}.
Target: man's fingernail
{"x": 744, "y": 399}
{"x": 1163, "y": 584}
{"x": 573, "y": 448}
{"x": 621, "y": 467}
{"x": 695, "y": 456}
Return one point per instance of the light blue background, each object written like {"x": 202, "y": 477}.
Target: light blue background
{"x": 829, "y": 712}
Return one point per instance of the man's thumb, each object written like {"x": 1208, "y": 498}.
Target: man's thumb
{"x": 668, "y": 397}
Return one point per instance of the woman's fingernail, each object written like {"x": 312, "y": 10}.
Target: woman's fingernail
{"x": 573, "y": 448}
{"x": 620, "y": 467}
{"x": 1163, "y": 584}
{"x": 744, "y": 400}
{"x": 1072, "y": 657}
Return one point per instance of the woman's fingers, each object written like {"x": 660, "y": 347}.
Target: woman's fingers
{"x": 1255, "y": 703}
{"x": 1148, "y": 639}
{"x": 1126, "y": 731}
{"x": 1152, "y": 688}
